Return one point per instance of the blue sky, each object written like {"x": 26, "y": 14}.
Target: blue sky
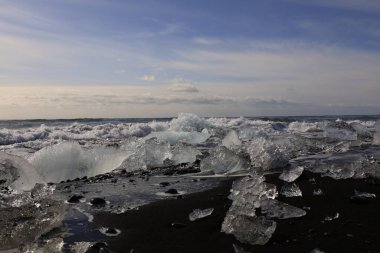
{"x": 118, "y": 58}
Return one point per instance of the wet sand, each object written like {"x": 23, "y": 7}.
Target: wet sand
{"x": 356, "y": 229}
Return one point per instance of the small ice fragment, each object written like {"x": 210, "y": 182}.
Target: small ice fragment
{"x": 317, "y": 251}
{"x": 238, "y": 249}
{"x": 197, "y": 214}
{"x": 362, "y": 197}
{"x": 80, "y": 247}
{"x": 275, "y": 209}
{"x": 292, "y": 174}
{"x": 317, "y": 192}
{"x": 291, "y": 190}
{"x": 37, "y": 205}
{"x": 330, "y": 218}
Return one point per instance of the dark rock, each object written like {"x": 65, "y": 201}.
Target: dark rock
{"x": 98, "y": 202}
{"x": 111, "y": 231}
{"x": 172, "y": 191}
{"x": 75, "y": 198}
{"x": 164, "y": 184}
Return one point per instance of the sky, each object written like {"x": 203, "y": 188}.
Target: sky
{"x": 157, "y": 58}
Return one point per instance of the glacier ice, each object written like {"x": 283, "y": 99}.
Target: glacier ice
{"x": 232, "y": 141}
{"x": 17, "y": 173}
{"x": 197, "y": 214}
{"x": 267, "y": 154}
{"x": 241, "y": 220}
{"x": 255, "y": 230}
{"x": 74, "y": 162}
{"x": 291, "y": 190}
{"x": 290, "y": 175}
{"x": 273, "y": 208}
{"x": 26, "y": 223}
{"x": 222, "y": 160}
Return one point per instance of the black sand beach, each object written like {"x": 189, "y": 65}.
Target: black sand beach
{"x": 150, "y": 228}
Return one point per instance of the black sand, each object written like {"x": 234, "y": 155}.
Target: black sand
{"x": 356, "y": 230}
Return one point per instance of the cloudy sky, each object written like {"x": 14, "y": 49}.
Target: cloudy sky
{"x": 150, "y": 58}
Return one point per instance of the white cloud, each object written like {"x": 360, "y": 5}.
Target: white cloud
{"x": 206, "y": 41}
{"x": 179, "y": 84}
{"x": 148, "y": 78}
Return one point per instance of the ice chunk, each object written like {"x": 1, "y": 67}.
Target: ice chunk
{"x": 248, "y": 193}
{"x": 291, "y": 174}
{"x": 340, "y": 131}
{"x": 330, "y": 218}
{"x": 184, "y": 154}
{"x": 24, "y": 224}
{"x": 17, "y": 172}
{"x": 376, "y": 139}
{"x": 317, "y": 251}
{"x": 275, "y": 209}
{"x": 342, "y": 166}
{"x": 68, "y": 160}
{"x": 251, "y": 230}
{"x": 188, "y": 122}
{"x": 197, "y": 214}
{"x": 222, "y": 160}
{"x": 362, "y": 197}
{"x": 80, "y": 247}
{"x": 267, "y": 154}
{"x": 361, "y": 130}
{"x": 317, "y": 192}
{"x": 250, "y": 133}
{"x": 232, "y": 141}
{"x": 174, "y": 137}
{"x": 238, "y": 249}
{"x": 146, "y": 155}
{"x": 291, "y": 190}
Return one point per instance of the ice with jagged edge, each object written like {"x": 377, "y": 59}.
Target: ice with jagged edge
{"x": 197, "y": 214}
{"x": 267, "y": 154}
{"x": 291, "y": 174}
{"x": 232, "y": 141}
{"x": 291, "y": 190}
{"x": 224, "y": 161}
{"x": 241, "y": 220}
{"x": 273, "y": 208}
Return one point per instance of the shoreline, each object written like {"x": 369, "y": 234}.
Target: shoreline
{"x": 149, "y": 229}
